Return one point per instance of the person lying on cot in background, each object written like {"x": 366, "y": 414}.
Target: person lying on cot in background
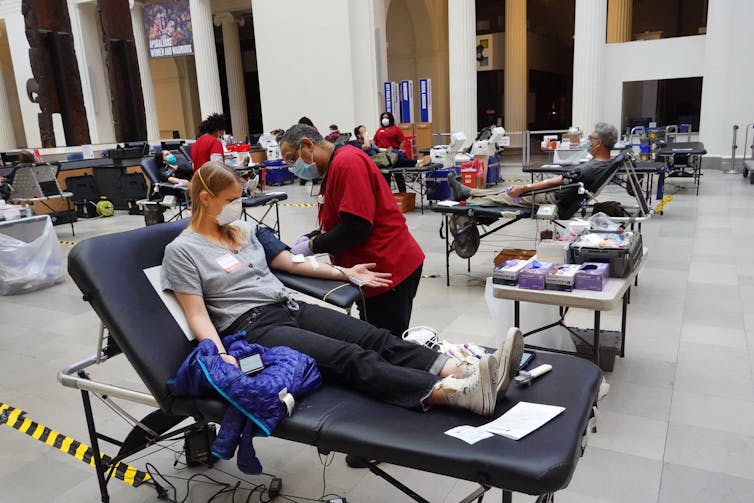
{"x": 219, "y": 269}
{"x": 599, "y": 144}
{"x": 359, "y": 221}
{"x": 171, "y": 171}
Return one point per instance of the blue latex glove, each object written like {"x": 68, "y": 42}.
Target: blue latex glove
{"x": 301, "y": 247}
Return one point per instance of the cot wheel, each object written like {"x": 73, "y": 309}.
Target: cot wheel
{"x": 745, "y": 172}
{"x": 546, "y": 498}
{"x": 751, "y": 177}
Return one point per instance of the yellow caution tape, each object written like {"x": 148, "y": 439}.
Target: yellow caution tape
{"x": 16, "y": 419}
{"x": 661, "y": 205}
{"x": 299, "y": 205}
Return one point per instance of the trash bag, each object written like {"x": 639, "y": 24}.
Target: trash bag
{"x": 30, "y": 255}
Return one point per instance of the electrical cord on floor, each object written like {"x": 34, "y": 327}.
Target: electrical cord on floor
{"x": 325, "y": 463}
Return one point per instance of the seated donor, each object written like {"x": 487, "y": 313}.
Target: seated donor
{"x": 359, "y": 223}
{"x": 170, "y": 170}
{"x": 208, "y": 145}
{"x": 219, "y": 269}
{"x": 332, "y": 136}
{"x": 362, "y": 141}
{"x": 599, "y": 144}
{"x": 390, "y": 136}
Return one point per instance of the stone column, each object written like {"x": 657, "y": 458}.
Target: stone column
{"x": 589, "y": 39}
{"x": 7, "y": 137}
{"x": 239, "y": 118}
{"x": 462, "y": 61}
{"x": 516, "y": 71}
{"x": 619, "y": 17}
{"x": 205, "y": 57}
{"x": 147, "y": 87}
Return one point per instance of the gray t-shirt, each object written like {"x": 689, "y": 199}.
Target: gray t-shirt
{"x": 230, "y": 283}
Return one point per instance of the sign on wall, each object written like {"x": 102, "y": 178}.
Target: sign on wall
{"x": 391, "y": 97}
{"x": 407, "y": 101}
{"x": 168, "y": 26}
{"x": 425, "y": 100}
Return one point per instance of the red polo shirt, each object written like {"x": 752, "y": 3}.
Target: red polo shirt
{"x": 389, "y": 137}
{"x": 203, "y": 147}
{"x": 355, "y": 185}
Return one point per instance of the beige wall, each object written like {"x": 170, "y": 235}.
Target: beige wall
{"x": 174, "y": 81}
{"x": 417, "y": 47}
{"x": 9, "y": 78}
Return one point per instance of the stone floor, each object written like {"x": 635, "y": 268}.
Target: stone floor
{"x": 675, "y": 427}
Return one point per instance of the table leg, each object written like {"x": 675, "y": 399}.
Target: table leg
{"x": 517, "y": 314}
{"x": 623, "y": 324}
{"x": 447, "y": 251}
{"x": 596, "y": 357}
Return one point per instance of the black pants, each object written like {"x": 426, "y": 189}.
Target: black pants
{"x": 392, "y": 310}
{"x": 350, "y": 351}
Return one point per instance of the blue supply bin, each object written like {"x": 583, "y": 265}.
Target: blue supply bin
{"x": 277, "y": 173}
{"x": 437, "y": 183}
{"x": 493, "y": 171}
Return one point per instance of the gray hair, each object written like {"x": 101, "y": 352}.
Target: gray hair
{"x": 607, "y": 133}
{"x": 298, "y": 132}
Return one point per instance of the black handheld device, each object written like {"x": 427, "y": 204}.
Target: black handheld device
{"x": 251, "y": 364}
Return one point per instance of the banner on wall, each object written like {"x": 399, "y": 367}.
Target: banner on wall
{"x": 407, "y": 101}
{"x": 168, "y": 26}
{"x": 425, "y": 100}
{"x": 391, "y": 97}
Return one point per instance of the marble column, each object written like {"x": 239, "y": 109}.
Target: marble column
{"x": 239, "y": 118}
{"x": 7, "y": 137}
{"x": 147, "y": 87}
{"x": 205, "y": 57}
{"x": 589, "y": 40}
{"x": 619, "y": 17}
{"x": 516, "y": 71}
{"x": 462, "y": 63}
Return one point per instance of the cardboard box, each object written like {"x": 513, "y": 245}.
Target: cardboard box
{"x": 533, "y": 278}
{"x": 562, "y": 277}
{"x": 512, "y": 253}
{"x": 573, "y": 138}
{"x": 508, "y": 272}
{"x": 406, "y": 201}
{"x": 592, "y": 276}
{"x": 552, "y": 250}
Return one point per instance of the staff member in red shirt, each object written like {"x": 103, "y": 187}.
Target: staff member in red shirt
{"x": 208, "y": 143}
{"x": 390, "y": 136}
{"x": 359, "y": 221}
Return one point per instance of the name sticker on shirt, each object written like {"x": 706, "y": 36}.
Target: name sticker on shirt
{"x": 229, "y": 262}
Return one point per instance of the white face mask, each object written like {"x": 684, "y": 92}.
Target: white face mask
{"x": 385, "y": 122}
{"x": 230, "y": 212}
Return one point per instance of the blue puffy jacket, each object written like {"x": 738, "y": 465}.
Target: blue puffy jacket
{"x": 256, "y": 408}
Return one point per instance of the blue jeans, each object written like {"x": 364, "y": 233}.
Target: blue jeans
{"x": 350, "y": 351}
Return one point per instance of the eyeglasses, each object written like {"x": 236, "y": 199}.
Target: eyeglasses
{"x": 590, "y": 138}
{"x": 291, "y": 160}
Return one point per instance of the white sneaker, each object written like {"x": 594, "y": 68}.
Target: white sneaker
{"x": 475, "y": 392}
{"x": 508, "y": 359}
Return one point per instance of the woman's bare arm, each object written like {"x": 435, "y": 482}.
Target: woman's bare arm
{"x": 198, "y": 319}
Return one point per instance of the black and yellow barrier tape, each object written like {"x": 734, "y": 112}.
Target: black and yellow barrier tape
{"x": 16, "y": 419}
{"x": 299, "y": 205}
{"x": 69, "y": 243}
{"x": 661, "y": 205}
